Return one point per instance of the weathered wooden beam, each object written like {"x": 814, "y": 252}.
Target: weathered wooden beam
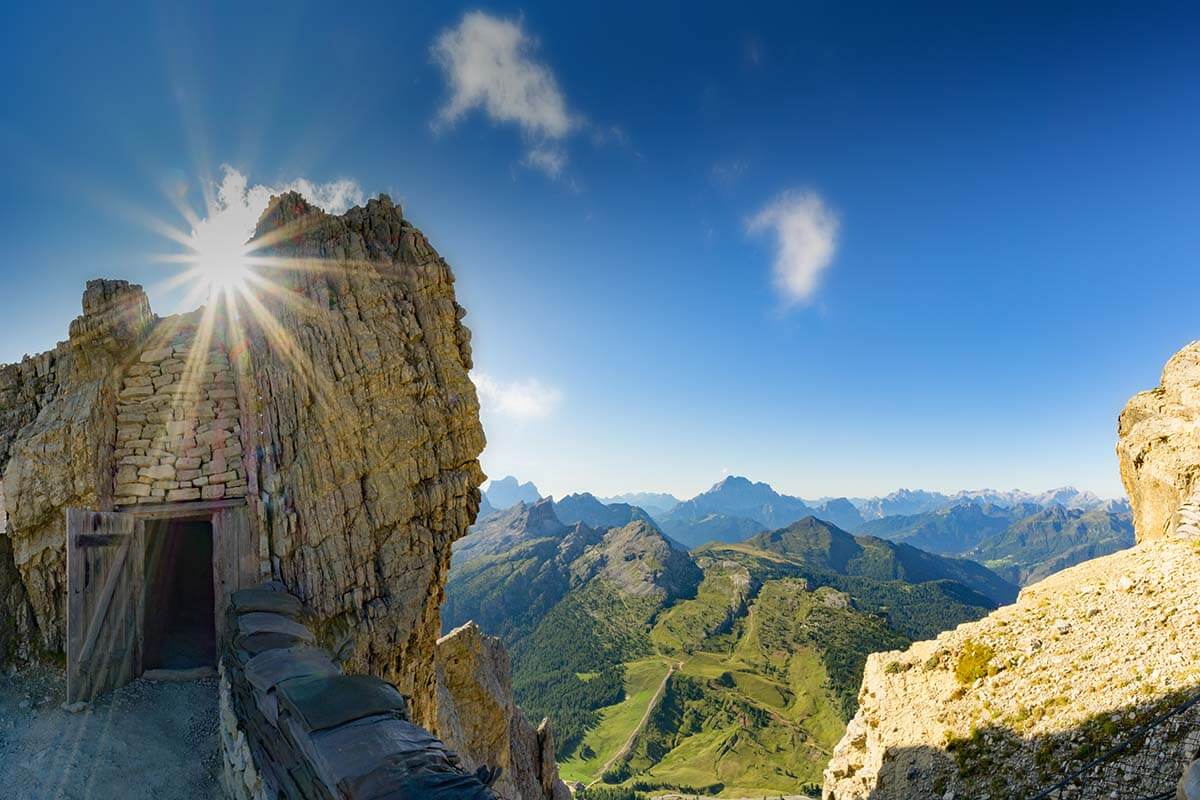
{"x": 194, "y": 510}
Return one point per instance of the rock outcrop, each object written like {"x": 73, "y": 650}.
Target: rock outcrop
{"x": 640, "y": 561}
{"x": 367, "y": 432}
{"x": 1159, "y": 446}
{"x": 1017, "y": 700}
{"x": 1026, "y": 697}
{"x": 334, "y": 395}
{"x": 478, "y": 716}
{"x": 57, "y": 425}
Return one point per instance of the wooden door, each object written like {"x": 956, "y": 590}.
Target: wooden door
{"x": 106, "y": 564}
{"x": 235, "y": 559}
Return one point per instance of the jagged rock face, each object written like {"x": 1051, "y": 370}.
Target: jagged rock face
{"x": 477, "y": 716}
{"x": 346, "y": 416}
{"x": 368, "y": 434}
{"x": 1159, "y": 445}
{"x": 1024, "y": 697}
{"x": 16, "y": 616}
{"x": 57, "y": 423}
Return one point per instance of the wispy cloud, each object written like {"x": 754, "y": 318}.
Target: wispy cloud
{"x": 727, "y": 173}
{"x": 755, "y": 51}
{"x": 236, "y": 206}
{"x": 525, "y": 399}
{"x": 549, "y": 158}
{"x": 806, "y": 233}
{"x": 489, "y": 64}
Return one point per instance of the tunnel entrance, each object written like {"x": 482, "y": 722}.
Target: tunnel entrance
{"x": 147, "y": 589}
{"x": 180, "y": 620}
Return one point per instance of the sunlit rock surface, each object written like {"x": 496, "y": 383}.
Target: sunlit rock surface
{"x": 357, "y": 438}
{"x": 477, "y": 715}
{"x": 1159, "y": 446}
{"x": 1028, "y": 695}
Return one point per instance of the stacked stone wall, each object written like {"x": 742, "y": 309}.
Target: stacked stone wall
{"x": 178, "y": 424}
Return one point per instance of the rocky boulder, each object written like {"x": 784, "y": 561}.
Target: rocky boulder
{"x": 1159, "y": 446}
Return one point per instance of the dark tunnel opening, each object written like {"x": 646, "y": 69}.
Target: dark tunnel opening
{"x": 180, "y": 622}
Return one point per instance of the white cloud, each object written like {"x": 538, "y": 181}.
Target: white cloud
{"x": 806, "y": 234}
{"x": 488, "y": 64}
{"x": 236, "y": 206}
{"x": 527, "y": 399}
{"x": 549, "y": 158}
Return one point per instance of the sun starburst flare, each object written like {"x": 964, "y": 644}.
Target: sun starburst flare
{"x": 242, "y": 286}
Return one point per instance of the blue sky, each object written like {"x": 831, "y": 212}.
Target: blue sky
{"x": 837, "y": 247}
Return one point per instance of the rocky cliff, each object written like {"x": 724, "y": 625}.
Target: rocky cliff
{"x": 1159, "y": 446}
{"x": 57, "y": 423}
{"x": 1028, "y": 696}
{"x": 338, "y": 386}
{"x": 478, "y": 716}
{"x": 367, "y": 429}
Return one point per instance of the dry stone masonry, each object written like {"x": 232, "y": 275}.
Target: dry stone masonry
{"x": 178, "y": 425}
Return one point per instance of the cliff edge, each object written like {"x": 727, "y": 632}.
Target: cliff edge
{"x": 1095, "y": 659}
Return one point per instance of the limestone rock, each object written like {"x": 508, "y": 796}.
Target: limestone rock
{"x": 57, "y": 422}
{"x": 1159, "y": 446}
{"x": 1023, "y": 698}
{"x": 338, "y": 403}
{"x": 1012, "y": 703}
{"x": 368, "y": 430}
{"x": 478, "y": 717}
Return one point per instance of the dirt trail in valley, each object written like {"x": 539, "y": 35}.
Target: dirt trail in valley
{"x": 156, "y": 741}
{"x": 624, "y": 748}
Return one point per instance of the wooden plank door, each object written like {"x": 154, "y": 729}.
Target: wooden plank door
{"x": 235, "y": 559}
{"x": 106, "y": 564}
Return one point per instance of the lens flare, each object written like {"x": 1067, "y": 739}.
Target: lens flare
{"x": 221, "y": 255}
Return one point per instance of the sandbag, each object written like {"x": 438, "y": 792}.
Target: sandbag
{"x": 266, "y": 670}
{"x": 263, "y": 622}
{"x": 326, "y": 701}
{"x": 266, "y": 599}
{"x": 247, "y": 646}
{"x": 393, "y": 783}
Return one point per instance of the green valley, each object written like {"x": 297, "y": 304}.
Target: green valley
{"x": 730, "y": 670}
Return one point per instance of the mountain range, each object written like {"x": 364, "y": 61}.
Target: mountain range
{"x": 1023, "y": 536}
{"x": 731, "y": 668}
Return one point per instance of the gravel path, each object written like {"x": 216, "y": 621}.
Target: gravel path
{"x": 146, "y": 740}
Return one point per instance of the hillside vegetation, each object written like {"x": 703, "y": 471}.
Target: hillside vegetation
{"x": 731, "y": 670}
{"x": 1023, "y": 543}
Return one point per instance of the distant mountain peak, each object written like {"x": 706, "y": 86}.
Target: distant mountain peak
{"x": 584, "y": 507}
{"x": 508, "y": 491}
{"x": 733, "y": 482}
{"x": 540, "y": 517}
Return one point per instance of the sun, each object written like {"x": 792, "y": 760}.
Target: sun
{"x": 220, "y": 255}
